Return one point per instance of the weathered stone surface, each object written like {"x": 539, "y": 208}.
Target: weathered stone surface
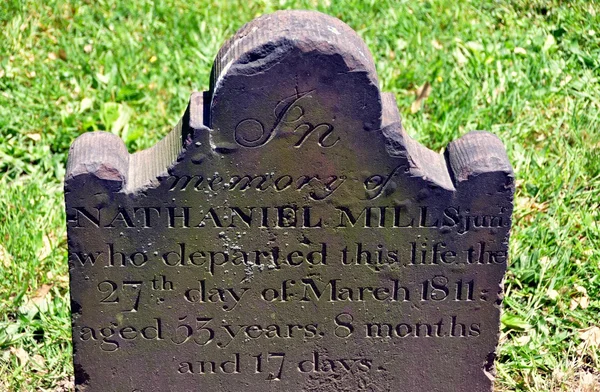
{"x": 288, "y": 235}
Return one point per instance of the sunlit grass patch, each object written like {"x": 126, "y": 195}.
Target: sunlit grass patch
{"x": 527, "y": 70}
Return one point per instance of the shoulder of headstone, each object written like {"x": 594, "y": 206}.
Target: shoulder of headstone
{"x": 477, "y": 153}
{"x": 467, "y": 160}
{"x": 101, "y": 158}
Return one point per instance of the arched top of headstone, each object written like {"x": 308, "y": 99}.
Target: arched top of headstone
{"x": 288, "y": 69}
{"x": 290, "y": 87}
{"x": 261, "y": 43}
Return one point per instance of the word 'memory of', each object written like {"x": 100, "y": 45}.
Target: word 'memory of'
{"x": 285, "y": 216}
{"x": 320, "y": 187}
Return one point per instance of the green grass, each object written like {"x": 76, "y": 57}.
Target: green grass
{"x": 526, "y": 70}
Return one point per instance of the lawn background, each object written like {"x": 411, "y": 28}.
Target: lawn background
{"x": 525, "y": 70}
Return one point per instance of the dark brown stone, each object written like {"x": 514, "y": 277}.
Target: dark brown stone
{"x": 288, "y": 235}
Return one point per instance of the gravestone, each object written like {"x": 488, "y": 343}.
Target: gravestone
{"x": 288, "y": 235}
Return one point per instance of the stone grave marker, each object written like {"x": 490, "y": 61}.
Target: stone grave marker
{"x": 288, "y": 235}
